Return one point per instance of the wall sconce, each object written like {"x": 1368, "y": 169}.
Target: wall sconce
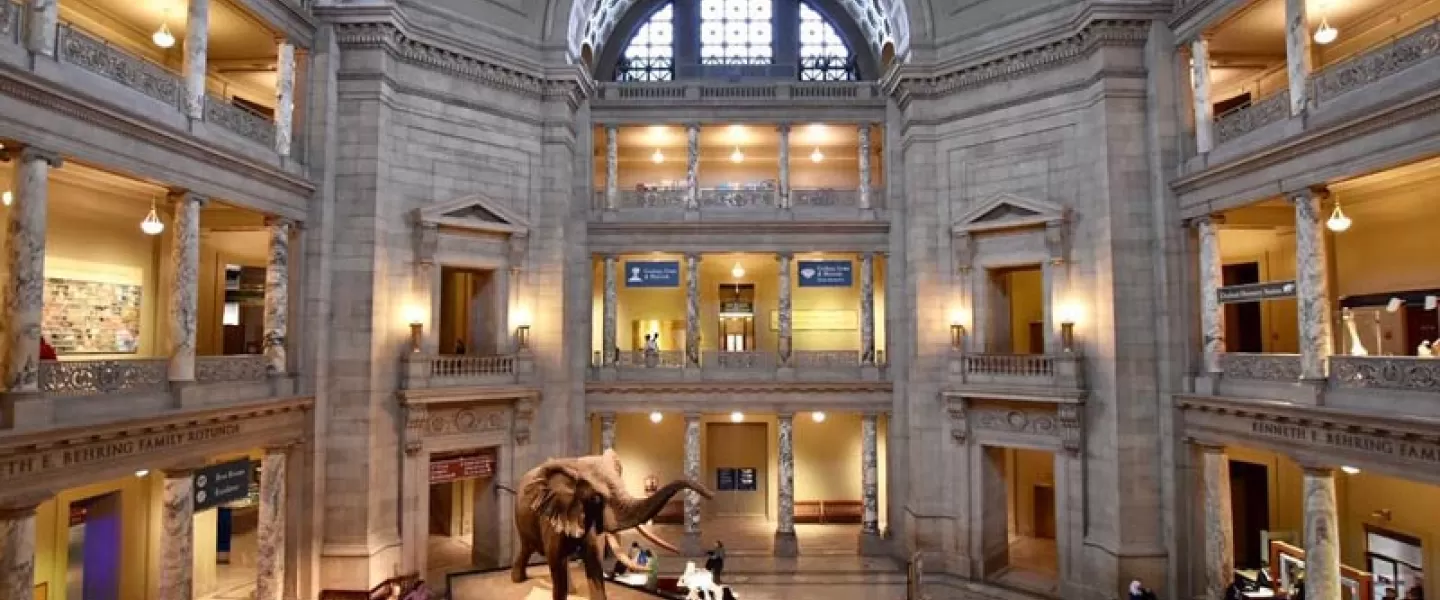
{"x": 1067, "y": 337}
{"x": 957, "y": 336}
{"x": 417, "y": 325}
{"x": 522, "y": 337}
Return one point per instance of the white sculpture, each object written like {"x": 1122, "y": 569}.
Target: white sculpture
{"x": 701, "y": 583}
{"x": 1425, "y": 350}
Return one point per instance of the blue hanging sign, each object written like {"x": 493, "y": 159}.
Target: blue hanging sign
{"x": 827, "y": 273}
{"x": 652, "y": 273}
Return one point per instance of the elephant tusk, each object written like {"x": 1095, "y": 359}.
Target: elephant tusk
{"x": 654, "y": 539}
{"x": 624, "y": 559}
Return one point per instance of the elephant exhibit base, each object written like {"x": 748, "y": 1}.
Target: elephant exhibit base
{"x": 786, "y": 544}
{"x": 496, "y": 585}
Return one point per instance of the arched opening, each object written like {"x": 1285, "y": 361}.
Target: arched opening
{"x": 887, "y": 55}
{"x": 587, "y": 55}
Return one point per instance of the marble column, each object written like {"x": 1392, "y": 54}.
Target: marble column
{"x": 786, "y": 543}
{"x": 17, "y": 552}
{"x": 870, "y": 475}
{"x": 1219, "y": 533}
{"x": 1312, "y": 285}
{"x": 43, "y": 18}
{"x": 607, "y": 431}
{"x": 1322, "y": 535}
{"x": 197, "y": 47}
{"x": 177, "y": 537}
{"x": 612, "y": 167}
{"x": 1212, "y": 315}
{"x": 867, "y": 309}
{"x": 608, "y": 350}
{"x": 185, "y": 284}
{"x": 277, "y": 296}
{"x": 1200, "y": 94}
{"x": 1297, "y": 54}
{"x": 864, "y": 157}
{"x": 782, "y": 192}
{"x": 284, "y": 97}
{"x": 786, "y": 336}
{"x": 270, "y": 534}
{"x": 692, "y": 472}
{"x": 25, "y": 246}
{"x": 692, "y": 167}
{"x": 692, "y": 310}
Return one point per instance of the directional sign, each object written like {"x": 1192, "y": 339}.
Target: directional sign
{"x": 222, "y": 483}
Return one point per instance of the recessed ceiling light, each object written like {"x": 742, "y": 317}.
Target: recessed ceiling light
{"x": 737, "y": 416}
{"x": 818, "y": 416}
{"x": 1349, "y": 470}
{"x": 656, "y": 417}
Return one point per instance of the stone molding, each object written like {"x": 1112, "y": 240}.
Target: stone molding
{"x": 445, "y": 412}
{"x": 72, "y": 106}
{"x": 1061, "y": 421}
{"x": 574, "y": 86}
{"x": 908, "y": 82}
{"x": 1402, "y": 428}
{"x": 709, "y": 387}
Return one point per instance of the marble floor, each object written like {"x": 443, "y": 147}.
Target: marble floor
{"x": 233, "y": 582}
{"x": 1034, "y": 566}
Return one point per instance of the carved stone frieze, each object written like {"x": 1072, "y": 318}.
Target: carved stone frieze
{"x": 524, "y": 415}
{"x": 1015, "y": 421}
{"x": 464, "y": 420}
{"x": 1057, "y": 242}
{"x": 1363, "y": 69}
{"x": 959, "y": 423}
{"x": 964, "y": 247}
{"x": 1070, "y": 415}
{"x": 416, "y": 416}
{"x": 427, "y": 242}
{"x": 1060, "y": 421}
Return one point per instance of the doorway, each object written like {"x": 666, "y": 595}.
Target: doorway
{"x": 1019, "y": 518}
{"x": 464, "y": 525}
{"x": 738, "y": 457}
{"x": 1250, "y": 512}
{"x": 737, "y": 317}
{"x": 470, "y": 312}
{"x": 1016, "y": 306}
{"x": 1244, "y": 329}
{"x": 93, "y": 566}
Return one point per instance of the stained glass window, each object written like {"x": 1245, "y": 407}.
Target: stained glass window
{"x": 823, "y": 53}
{"x": 736, "y": 32}
{"x": 650, "y": 56}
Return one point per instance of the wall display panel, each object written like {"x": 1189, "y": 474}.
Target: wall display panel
{"x": 91, "y": 317}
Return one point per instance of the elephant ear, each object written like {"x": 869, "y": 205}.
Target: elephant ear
{"x": 559, "y": 496}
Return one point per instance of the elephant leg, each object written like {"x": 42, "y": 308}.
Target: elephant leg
{"x": 521, "y": 564}
{"x": 595, "y": 566}
{"x": 557, "y": 556}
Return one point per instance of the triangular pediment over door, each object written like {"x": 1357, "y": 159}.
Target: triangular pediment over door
{"x": 475, "y": 213}
{"x": 1008, "y": 211}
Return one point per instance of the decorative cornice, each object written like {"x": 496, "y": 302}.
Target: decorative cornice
{"x": 84, "y": 434}
{"x": 1408, "y": 427}
{"x": 462, "y": 395}
{"x": 906, "y": 82}
{"x": 572, "y": 83}
{"x": 711, "y": 387}
{"x": 712, "y": 228}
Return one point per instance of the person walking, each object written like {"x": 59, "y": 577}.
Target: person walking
{"x": 717, "y": 557}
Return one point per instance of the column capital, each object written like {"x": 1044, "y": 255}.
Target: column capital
{"x": 1212, "y": 220}
{"x": 692, "y": 126}
{"x": 1317, "y": 191}
{"x": 607, "y": 256}
{"x": 785, "y": 415}
{"x": 692, "y": 416}
{"x": 608, "y": 415}
{"x": 1209, "y": 448}
{"x": 178, "y": 195}
{"x": 870, "y": 415}
{"x": 867, "y": 255}
{"x": 277, "y": 221}
{"x": 784, "y": 256}
{"x": 783, "y": 128}
{"x": 612, "y": 128}
{"x": 282, "y": 447}
{"x": 1312, "y": 469}
{"x": 22, "y": 505}
{"x": 695, "y": 256}
{"x": 29, "y": 153}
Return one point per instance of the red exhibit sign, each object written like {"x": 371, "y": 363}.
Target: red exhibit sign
{"x": 456, "y": 468}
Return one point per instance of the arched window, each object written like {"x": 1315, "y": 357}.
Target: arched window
{"x": 736, "y": 32}
{"x": 650, "y": 56}
{"x": 823, "y": 53}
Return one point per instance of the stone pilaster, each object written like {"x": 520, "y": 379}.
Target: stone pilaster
{"x": 867, "y": 309}
{"x": 691, "y": 545}
{"x": 1219, "y": 535}
{"x": 1312, "y": 285}
{"x": 607, "y": 431}
{"x": 786, "y": 544}
{"x": 1200, "y": 94}
{"x": 185, "y": 285}
{"x": 612, "y": 167}
{"x": 692, "y": 167}
{"x": 270, "y": 534}
{"x": 284, "y": 97}
{"x": 864, "y": 158}
{"x": 692, "y": 310}
{"x": 277, "y": 296}
{"x": 197, "y": 47}
{"x": 1212, "y": 315}
{"x": 1297, "y": 54}
{"x": 177, "y": 537}
{"x": 1322, "y": 535}
{"x": 607, "y": 328}
{"x": 42, "y": 18}
{"x": 17, "y": 550}
{"x": 25, "y": 246}
{"x": 782, "y": 191}
{"x": 785, "y": 343}
{"x": 870, "y": 543}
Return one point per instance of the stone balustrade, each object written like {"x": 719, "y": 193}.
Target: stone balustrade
{"x": 660, "y": 359}
{"x": 739, "y": 360}
{"x": 1240, "y": 121}
{"x": 1405, "y": 373}
{"x": 713, "y": 92}
{"x": 433, "y": 371}
{"x": 1283, "y": 368}
{"x": 94, "y": 54}
{"x": 104, "y": 376}
{"x": 1420, "y": 46}
{"x": 240, "y": 121}
{"x": 827, "y": 198}
{"x": 826, "y": 359}
{"x": 723, "y": 198}
{"x": 1059, "y": 371}
{"x": 230, "y": 369}
{"x": 760, "y": 365}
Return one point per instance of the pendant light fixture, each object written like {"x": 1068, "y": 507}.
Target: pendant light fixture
{"x": 658, "y": 157}
{"x": 162, "y": 36}
{"x": 817, "y": 155}
{"x": 152, "y": 224}
{"x": 738, "y": 271}
{"x": 737, "y": 155}
{"x": 1325, "y": 33}
{"x": 1337, "y": 222}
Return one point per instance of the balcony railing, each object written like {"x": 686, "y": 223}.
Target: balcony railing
{"x": 230, "y": 369}
{"x": 738, "y": 360}
{"x": 659, "y": 359}
{"x": 427, "y": 370}
{"x": 1361, "y": 70}
{"x": 106, "y": 376}
{"x": 825, "y": 359}
{"x": 94, "y": 54}
{"x": 667, "y": 92}
{"x": 652, "y": 198}
{"x": 246, "y": 123}
{"x": 757, "y": 365}
{"x": 1270, "y": 109}
{"x": 825, "y": 198}
{"x": 716, "y": 198}
{"x": 1283, "y": 368}
{"x": 1059, "y": 371}
{"x": 1406, "y": 373}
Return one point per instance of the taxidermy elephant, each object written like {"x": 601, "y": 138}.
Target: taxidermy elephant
{"x": 570, "y": 504}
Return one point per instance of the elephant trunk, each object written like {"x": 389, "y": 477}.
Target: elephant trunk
{"x": 632, "y": 513}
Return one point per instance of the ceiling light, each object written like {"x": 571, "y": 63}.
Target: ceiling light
{"x": 738, "y": 271}
{"x": 737, "y": 130}
{"x": 162, "y": 37}
{"x": 1350, "y": 470}
{"x": 1326, "y": 34}
{"x": 658, "y": 157}
{"x": 656, "y": 417}
{"x": 817, "y": 155}
{"x": 737, "y": 416}
{"x": 152, "y": 225}
{"x": 142, "y": 472}
{"x": 818, "y": 416}
{"x": 737, "y": 155}
{"x": 7, "y": 198}
{"x": 1338, "y": 222}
